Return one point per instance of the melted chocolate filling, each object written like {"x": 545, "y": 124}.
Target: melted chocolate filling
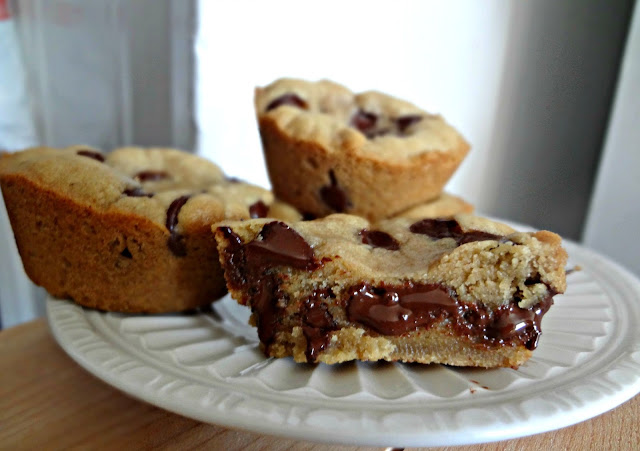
{"x": 396, "y": 310}
{"x": 378, "y": 238}
{"x": 288, "y": 99}
{"x": 317, "y": 324}
{"x": 399, "y": 310}
{"x": 91, "y": 154}
{"x": 234, "y": 258}
{"x": 258, "y": 210}
{"x": 250, "y": 264}
{"x": 176, "y": 241}
{"x": 151, "y": 176}
{"x": 450, "y": 228}
{"x": 334, "y": 196}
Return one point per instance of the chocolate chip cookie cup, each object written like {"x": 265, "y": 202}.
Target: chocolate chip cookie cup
{"x": 329, "y": 150}
{"x": 127, "y": 231}
{"x": 463, "y": 291}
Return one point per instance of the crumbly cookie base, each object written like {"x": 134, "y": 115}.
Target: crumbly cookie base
{"x": 423, "y": 346}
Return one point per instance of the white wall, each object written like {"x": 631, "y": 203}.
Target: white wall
{"x": 443, "y": 56}
{"x": 614, "y": 217}
{"x": 109, "y": 73}
{"x": 559, "y": 81}
{"x": 528, "y": 83}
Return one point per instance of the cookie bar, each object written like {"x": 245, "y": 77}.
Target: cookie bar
{"x": 126, "y": 231}
{"x": 463, "y": 291}
{"x": 329, "y": 150}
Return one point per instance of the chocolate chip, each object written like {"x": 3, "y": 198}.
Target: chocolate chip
{"x": 512, "y": 321}
{"x": 288, "y": 99}
{"x": 91, "y": 154}
{"x": 365, "y": 122}
{"x": 173, "y": 210}
{"x": 279, "y": 244}
{"x": 249, "y": 265}
{"x": 234, "y": 180}
{"x": 176, "y": 242}
{"x": 234, "y": 257}
{"x": 533, "y": 280}
{"x": 151, "y": 176}
{"x": 317, "y": 323}
{"x": 334, "y": 196}
{"x": 258, "y": 210}
{"x": 126, "y": 253}
{"x": 437, "y": 228}
{"x": 136, "y": 192}
{"x": 407, "y": 121}
{"x": 450, "y": 228}
{"x": 378, "y": 238}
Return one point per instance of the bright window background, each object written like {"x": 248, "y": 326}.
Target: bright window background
{"x": 444, "y": 57}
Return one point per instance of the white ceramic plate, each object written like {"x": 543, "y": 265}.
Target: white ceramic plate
{"x": 208, "y": 367}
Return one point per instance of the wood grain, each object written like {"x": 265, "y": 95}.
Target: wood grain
{"x": 48, "y": 401}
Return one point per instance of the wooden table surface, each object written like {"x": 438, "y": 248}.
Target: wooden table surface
{"x": 47, "y": 401}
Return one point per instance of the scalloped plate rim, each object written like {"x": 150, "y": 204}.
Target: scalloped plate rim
{"x": 374, "y": 436}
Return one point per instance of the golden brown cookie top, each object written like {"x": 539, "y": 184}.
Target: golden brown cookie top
{"x": 153, "y": 183}
{"x": 371, "y": 123}
{"x": 482, "y": 260}
{"x": 444, "y": 206}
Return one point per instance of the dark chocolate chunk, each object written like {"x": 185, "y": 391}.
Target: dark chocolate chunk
{"x": 288, "y": 99}
{"x": 365, "y": 122}
{"x": 173, "y": 210}
{"x": 450, "y": 228}
{"x": 151, "y": 176}
{"x": 91, "y": 154}
{"x": 278, "y": 244}
{"x": 136, "y": 192}
{"x": 317, "y": 324}
{"x": 250, "y": 263}
{"x": 234, "y": 258}
{"x": 378, "y": 238}
{"x": 176, "y": 242}
{"x": 513, "y": 321}
{"x": 265, "y": 303}
{"x": 258, "y": 210}
{"x": 334, "y": 196}
{"x": 404, "y": 122}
